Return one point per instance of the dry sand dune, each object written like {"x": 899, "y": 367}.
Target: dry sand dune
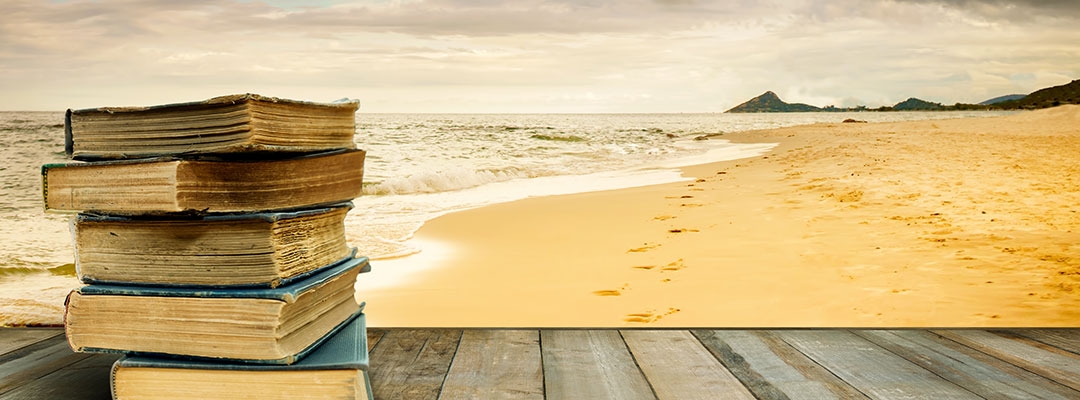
{"x": 948, "y": 223}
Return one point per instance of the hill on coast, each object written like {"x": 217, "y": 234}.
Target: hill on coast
{"x": 1043, "y": 98}
{"x": 770, "y": 102}
{"x": 1004, "y": 98}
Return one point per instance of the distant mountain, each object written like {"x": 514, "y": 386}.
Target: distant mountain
{"x": 913, "y": 104}
{"x": 770, "y": 102}
{"x": 1042, "y": 98}
{"x": 1050, "y": 97}
{"x": 1000, "y": 99}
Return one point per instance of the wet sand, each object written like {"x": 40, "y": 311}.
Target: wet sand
{"x": 947, "y": 223}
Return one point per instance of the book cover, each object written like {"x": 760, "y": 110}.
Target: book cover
{"x": 318, "y": 372}
{"x": 223, "y": 250}
{"x": 242, "y": 123}
{"x": 261, "y": 325}
{"x": 175, "y": 186}
{"x": 346, "y": 348}
{"x": 285, "y": 293}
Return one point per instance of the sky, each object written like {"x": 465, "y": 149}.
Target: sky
{"x": 532, "y": 56}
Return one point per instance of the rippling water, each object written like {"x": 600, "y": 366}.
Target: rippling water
{"x": 419, "y": 166}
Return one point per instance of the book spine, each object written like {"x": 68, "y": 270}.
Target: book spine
{"x": 112, "y": 379}
{"x": 69, "y": 143}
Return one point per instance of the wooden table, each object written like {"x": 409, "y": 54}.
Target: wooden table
{"x": 35, "y": 363}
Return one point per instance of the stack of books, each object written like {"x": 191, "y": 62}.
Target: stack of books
{"x": 211, "y": 238}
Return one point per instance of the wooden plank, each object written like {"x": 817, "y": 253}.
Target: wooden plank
{"x": 1060, "y": 366}
{"x": 373, "y": 337}
{"x": 870, "y": 368}
{"x": 991, "y": 380}
{"x": 411, "y": 363}
{"x": 1065, "y": 339}
{"x": 678, "y": 366}
{"x": 772, "y": 369}
{"x": 12, "y": 339}
{"x": 590, "y": 364}
{"x": 87, "y": 379}
{"x": 36, "y": 360}
{"x": 496, "y": 364}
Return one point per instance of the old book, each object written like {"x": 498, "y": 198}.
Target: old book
{"x": 228, "y": 124}
{"x": 260, "y": 325}
{"x": 336, "y": 369}
{"x": 196, "y": 186}
{"x": 261, "y": 249}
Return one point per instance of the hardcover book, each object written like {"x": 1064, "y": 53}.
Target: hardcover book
{"x": 336, "y": 369}
{"x": 259, "y": 325}
{"x": 262, "y": 249}
{"x": 172, "y": 185}
{"x": 242, "y": 123}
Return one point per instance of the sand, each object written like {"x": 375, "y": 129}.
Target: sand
{"x": 947, "y": 223}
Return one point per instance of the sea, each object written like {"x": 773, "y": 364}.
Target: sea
{"x": 418, "y": 167}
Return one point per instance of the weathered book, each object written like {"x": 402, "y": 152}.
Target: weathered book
{"x": 274, "y": 326}
{"x": 229, "y": 124}
{"x": 336, "y": 369}
{"x": 262, "y": 249}
{"x": 173, "y": 185}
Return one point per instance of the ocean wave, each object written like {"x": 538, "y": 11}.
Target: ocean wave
{"x": 442, "y": 181}
{"x": 558, "y": 138}
{"x": 60, "y": 270}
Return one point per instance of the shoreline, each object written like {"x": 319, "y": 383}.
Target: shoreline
{"x": 926, "y": 223}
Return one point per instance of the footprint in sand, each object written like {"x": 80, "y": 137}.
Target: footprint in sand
{"x": 644, "y": 267}
{"x": 674, "y": 266}
{"x": 649, "y": 316}
{"x": 663, "y": 217}
{"x": 644, "y": 248}
{"x": 681, "y": 230}
{"x": 616, "y": 292}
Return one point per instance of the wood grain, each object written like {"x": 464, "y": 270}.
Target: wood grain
{"x": 1060, "y": 366}
{"x": 496, "y": 364}
{"x": 983, "y": 377}
{"x": 679, "y": 367}
{"x": 772, "y": 369}
{"x": 411, "y": 363}
{"x": 590, "y": 364}
{"x": 871, "y": 369}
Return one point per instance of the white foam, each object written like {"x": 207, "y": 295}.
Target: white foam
{"x": 432, "y": 181}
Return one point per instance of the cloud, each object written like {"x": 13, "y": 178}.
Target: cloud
{"x": 488, "y": 55}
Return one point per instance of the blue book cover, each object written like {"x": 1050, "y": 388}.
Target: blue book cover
{"x": 258, "y": 325}
{"x": 345, "y": 349}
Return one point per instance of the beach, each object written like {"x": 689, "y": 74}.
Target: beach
{"x": 939, "y": 223}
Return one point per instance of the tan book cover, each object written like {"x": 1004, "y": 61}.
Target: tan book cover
{"x": 195, "y": 186}
{"x": 243, "y": 123}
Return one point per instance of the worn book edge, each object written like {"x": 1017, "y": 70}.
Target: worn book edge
{"x": 249, "y": 158}
{"x": 69, "y": 142}
{"x": 286, "y": 361}
{"x": 276, "y": 283}
{"x": 344, "y": 349}
{"x": 287, "y": 293}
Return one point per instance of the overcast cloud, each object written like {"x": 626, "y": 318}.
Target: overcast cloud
{"x": 533, "y": 55}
